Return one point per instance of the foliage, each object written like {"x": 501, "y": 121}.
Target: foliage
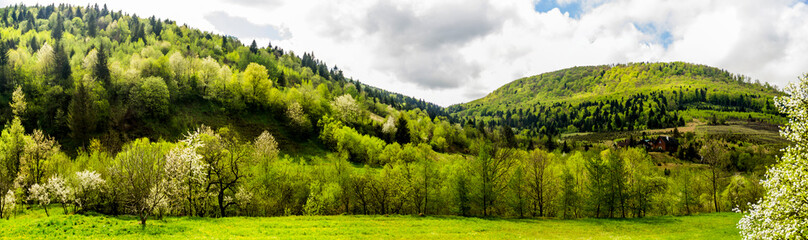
{"x": 88, "y": 188}
{"x": 40, "y": 195}
{"x": 781, "y": 212}
{"x": 60, "y": 191}
{"x": 141, "y": 172}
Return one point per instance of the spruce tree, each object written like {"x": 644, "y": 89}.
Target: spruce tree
{"x": 254, "y": 47}
{"x": 58, "y": 28}
{"x": 63, "y": 70}
{"x": 403, "y": 133}
{"x": 101, "y": 70}
{"x": 81, "y": 115}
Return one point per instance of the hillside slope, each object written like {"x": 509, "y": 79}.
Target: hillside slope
{"x": 91, "y": 73}
{"x": 621, "y": 97}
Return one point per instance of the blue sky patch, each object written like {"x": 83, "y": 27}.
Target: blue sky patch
{"x": 573, "y": 8}
{"x": 661, "y": 36}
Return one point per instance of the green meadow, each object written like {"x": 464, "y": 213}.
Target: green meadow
{"x": 35, "y": 225}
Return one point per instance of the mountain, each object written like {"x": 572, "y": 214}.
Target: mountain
{"x": 622, "y": 97}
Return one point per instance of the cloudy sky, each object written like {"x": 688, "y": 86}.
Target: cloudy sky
{"x": 455, "y": 51}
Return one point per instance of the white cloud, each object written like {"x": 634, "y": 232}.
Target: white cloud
{"x": 455, "y": 51}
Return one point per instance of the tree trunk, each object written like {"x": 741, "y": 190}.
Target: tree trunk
{"x": 221, "y": 202}
{"x": 715, "y": 191}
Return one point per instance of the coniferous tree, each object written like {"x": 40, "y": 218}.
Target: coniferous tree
{"x": 92, "y": 24}
{"x": 58, "y": 28}
{"x": 403, "y": 133}
{"x": 254, "y": 47}
{"x": 33, "y": 44}
{"x": 62, "y": 68}
{"x": 81, "y": 114}
{"x": 101, "y": 70}
{"x": 282, "y": 80}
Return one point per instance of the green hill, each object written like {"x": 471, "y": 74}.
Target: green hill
{"x": 91, "y": 73}
{"x": 623, "y": 97}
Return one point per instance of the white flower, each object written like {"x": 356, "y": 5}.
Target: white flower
{"x": 39, "y": 194}
{"x": 346, "y": 108}
{"x": 389, "y": 126}
{"x": 88, "y": 182}
{"x": 783, "y": 211}
{"x": 9, "y": 203}
{"x": 58, "y": 188}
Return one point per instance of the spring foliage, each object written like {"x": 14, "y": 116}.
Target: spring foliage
{"x": 783, "y": 211}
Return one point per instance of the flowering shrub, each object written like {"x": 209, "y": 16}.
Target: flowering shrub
{"x": 88, "y": 185}
{"x": 39, "y": 194}
{"x": 60, "y": 191}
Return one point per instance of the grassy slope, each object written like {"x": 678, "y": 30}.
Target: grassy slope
{"x": 35, "y": 225}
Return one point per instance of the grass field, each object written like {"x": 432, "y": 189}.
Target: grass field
{"x": 34, "y": 225}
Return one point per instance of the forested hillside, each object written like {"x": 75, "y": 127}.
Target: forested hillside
{"x": 110, "y": 113}
{"x": 94, "y": 73}
{"x": 622, "y": 97}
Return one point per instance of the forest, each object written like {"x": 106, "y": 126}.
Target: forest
{"x": 111, "y": 113}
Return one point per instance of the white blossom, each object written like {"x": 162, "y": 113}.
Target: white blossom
{"x": 346, "y": 108}
{"x": 783, "y": 211}
{"x": 243, "y": 197}
{"x": 184, "y": 170}
{"x": 59, "y": 190}
{"x": 88, "y": 182}
{"x": 39, "y": 194}
{"x": 389, "y": 126}
{"x": 298, "y": 118}
{"x": 9, "y": 203}
{"x": 265, "y": 146}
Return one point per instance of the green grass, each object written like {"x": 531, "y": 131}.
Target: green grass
{"x": 34, "y": 225}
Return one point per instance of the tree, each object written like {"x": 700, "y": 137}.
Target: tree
{"x": 46, "y": 63}
{"x": 18, "y": 103}
{"x": 389, "y": 127}
{"x": 89, "y": 185}
{"x": 254, "y": 47}
{"x": 151, "y": 98}
{"x": 140, "y": 170}
{"x": 39, "y": 194}
{"x": 81, "y": 114}
{"x": 92, "y": 23}
{"x": 62, "y": 69}
{"x": 227, "y": 162}
{"x": 12, "y": 146}
{"x": 402, "y": 131}
{"x": 7, "y": 205}
{"x": 185, "y": 174}
{"x": 59, "y": 190}
{"x": 101, "y": 69}
{"x": 298, "y": 119}
{"x": 493, "y": 163}
{"x": 569, "y": 197}
{"x": 59, "y": 27}
{"x": 347, "y": 109}
{"x": 782, "y": 213}
{"x": 35, "y": 159}
{"x": 537, "y": 165}
{"x": 714, "y": 155}
{"x": 256, "y": 84}
{"x": 684, "y": 178}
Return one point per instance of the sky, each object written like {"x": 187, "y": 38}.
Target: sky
{"x": 455, "y": 51}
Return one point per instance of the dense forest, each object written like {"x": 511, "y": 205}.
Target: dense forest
{"x": 112, "y": 113}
